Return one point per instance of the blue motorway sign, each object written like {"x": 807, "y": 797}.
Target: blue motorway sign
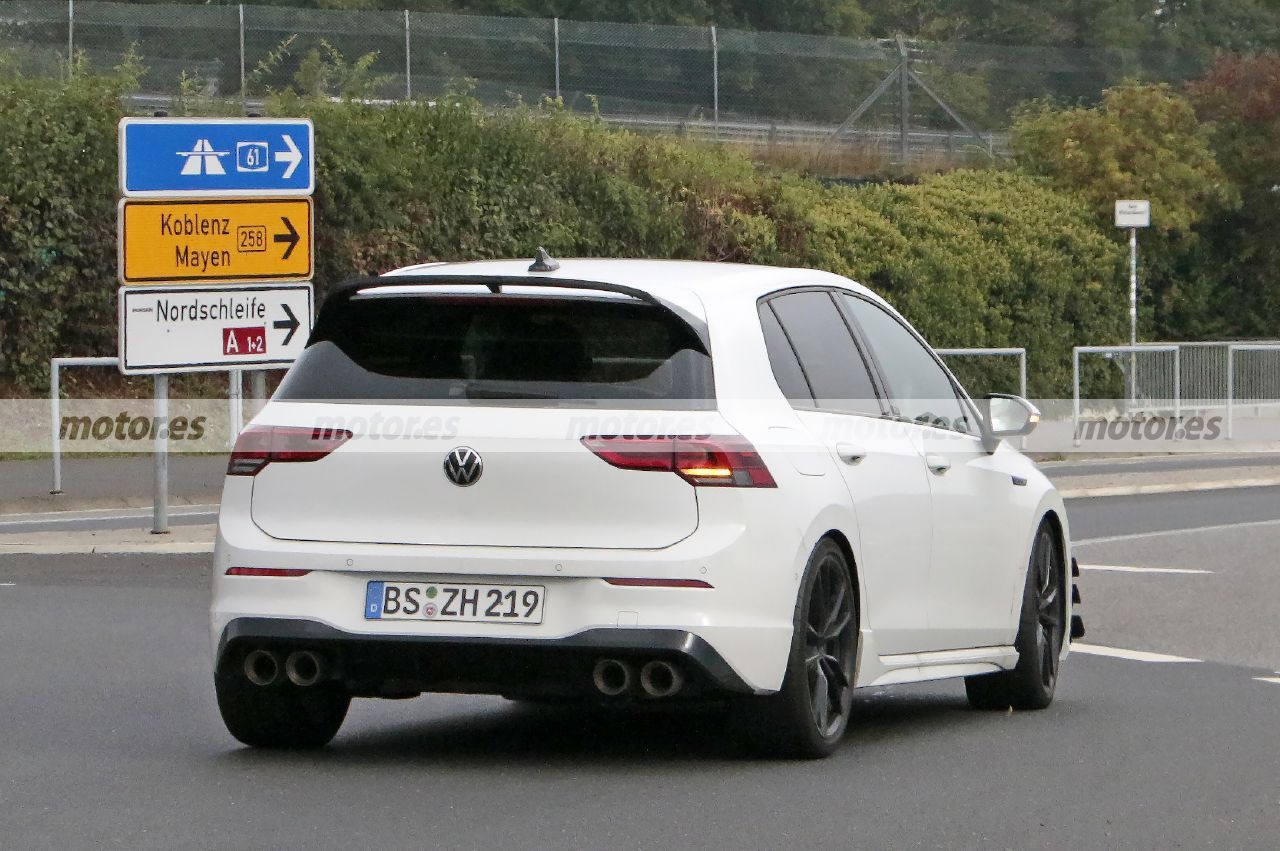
{"x": 197, "y": 157}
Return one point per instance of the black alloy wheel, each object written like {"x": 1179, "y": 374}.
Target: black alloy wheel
{"x": 1041, "y": 631}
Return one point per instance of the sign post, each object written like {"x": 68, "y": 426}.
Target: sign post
{"x": 216, "y": 252}
{"x": 1133, "y": 215}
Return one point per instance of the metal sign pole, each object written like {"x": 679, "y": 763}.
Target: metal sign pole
{"x": 408, "y": 68}
{"x": 244, "y": 92}
{"x": 1133, "y": 314}
{"x": 555, "y": 34}
{"x": 55, "y": 410}
{"x": 235, "y": 405}
{"x": 715, "y": 80}
{"x": 160, "y": 504}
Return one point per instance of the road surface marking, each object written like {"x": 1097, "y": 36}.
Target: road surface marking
{"x": 1135, "y": 535}
{"x": 1275, "y": 680}
{"x": 1134, "y": 655}
{"x": 7, "y": 584}
{"x": 1119, "y": 568}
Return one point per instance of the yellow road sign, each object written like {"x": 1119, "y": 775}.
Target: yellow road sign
{"x": 212, "y": 241}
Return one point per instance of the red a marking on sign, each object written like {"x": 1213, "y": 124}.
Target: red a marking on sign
{"x": 244, "y": 341}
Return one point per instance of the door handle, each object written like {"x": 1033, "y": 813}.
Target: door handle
{"x": 937, "y": 463}
{"x": 850, "y": 454}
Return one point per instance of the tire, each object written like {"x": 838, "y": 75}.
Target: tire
{"x": 1031, "y": 684}
{"x": 808, "y": 716}
{"x": 280, "y": 716}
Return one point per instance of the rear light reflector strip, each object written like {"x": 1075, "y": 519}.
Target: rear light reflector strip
{"x": 266, "y": 571}
{"x": 659, "y": 583}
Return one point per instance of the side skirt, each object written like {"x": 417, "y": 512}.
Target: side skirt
{"x": 877, "y": 670}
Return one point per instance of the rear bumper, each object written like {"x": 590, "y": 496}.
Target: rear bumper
{"x": 374, "y": 664}
{"x": 745, "y": 619}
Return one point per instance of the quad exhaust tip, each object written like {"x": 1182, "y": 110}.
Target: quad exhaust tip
{"x": 261, "y": 667}
{"x": 612, "y": 677}
{"x": 660, "y": 679}
{"x": 304, "y": 668}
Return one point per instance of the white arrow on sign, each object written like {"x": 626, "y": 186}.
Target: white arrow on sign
{"x": 293, "y": 156}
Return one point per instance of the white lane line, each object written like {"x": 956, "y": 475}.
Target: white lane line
{"x": 7, "y": 584}
{"x": 1136, "y": 535}
{"x": 1120, "y": 568}
{"x": 1133, "y": 655}
{"x": 1275, "y": 680}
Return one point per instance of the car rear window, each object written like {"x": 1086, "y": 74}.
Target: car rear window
{"x": 485, "y": 348}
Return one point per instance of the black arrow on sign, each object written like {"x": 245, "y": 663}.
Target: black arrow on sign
{"x": 291, "y": 323}
{"x": 291, "y": 237}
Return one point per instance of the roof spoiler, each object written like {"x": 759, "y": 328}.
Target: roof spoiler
{"x": 345, "y": 291}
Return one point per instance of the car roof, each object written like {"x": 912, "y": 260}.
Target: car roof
{"x": 710, "y": 281}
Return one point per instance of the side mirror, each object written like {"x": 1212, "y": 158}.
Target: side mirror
{"x": 1011, "y": 416}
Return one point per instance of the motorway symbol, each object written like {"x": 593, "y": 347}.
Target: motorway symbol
{"x": 208, "y": 157}
{"x": 202, "y": 159}
{"x": 201, "y": 329}
{"x": 215, "y": 241}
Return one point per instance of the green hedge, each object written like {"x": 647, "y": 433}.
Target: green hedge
{"x": 974, "y": 258}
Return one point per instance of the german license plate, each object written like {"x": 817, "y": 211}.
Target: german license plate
{"x": 454, "y": 601}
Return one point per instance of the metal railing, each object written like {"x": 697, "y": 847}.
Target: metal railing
{"x": 1151, "y": 385}
{"x": 160, "y": 504}
{"x": 1017, "y": 352}
{"x": 1261, "y": 388}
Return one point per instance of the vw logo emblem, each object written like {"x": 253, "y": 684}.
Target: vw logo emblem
{"x": 463, "y": 466}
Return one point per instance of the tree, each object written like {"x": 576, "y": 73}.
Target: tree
{"x": 1142, "y": 141}
{"x": 1240, "y": 100}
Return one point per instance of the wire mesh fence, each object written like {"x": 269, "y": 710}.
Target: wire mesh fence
{"x": 754, "y": 87}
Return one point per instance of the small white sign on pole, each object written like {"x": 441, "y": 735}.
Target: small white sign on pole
{"x": 1133, "y": 214}
{"x": 192, "y": 329}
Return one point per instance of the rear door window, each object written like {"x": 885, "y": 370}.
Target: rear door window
{"x": 832, "y": 364}
{"x": 782, "y": 357}
{"x": 457, "y": 348}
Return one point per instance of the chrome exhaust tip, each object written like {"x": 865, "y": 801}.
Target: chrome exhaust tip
{"x": 660, "y": 679}
{"x": 304, "y": 668}
{"x": 611, "y": 677}
{"x": 261, "y": 667}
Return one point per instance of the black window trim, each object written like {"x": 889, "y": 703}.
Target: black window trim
{"x": 873, "y": 370}
{"x": 962, "y": 396}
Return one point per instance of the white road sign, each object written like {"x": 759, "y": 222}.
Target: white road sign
{"x": 188, "y": 329}
{"x": 1133, "y": 214}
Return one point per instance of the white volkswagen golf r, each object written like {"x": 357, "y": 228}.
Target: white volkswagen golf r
{"x": 630, "y": 481}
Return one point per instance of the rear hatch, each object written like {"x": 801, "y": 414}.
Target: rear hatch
{"x": 458, "y": 418}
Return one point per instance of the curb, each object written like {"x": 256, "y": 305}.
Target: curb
{"x": 1167, "y": 487}
{"x": 106, "y": 549}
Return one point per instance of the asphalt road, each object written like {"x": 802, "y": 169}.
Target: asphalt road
{"x": 110, "y": 737}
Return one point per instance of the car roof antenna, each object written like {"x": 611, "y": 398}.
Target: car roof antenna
{"x": 544, "y": 262}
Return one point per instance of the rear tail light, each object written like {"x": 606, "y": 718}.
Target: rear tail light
{"x": 728, "y": 461}
{"x": 257, "y": 446}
